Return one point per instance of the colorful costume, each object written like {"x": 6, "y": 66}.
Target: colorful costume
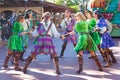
{"x": 95, "y": 36}
{"x": 85, "y": 42}
{"x": 68, "y": 25}
{"x": 43, "y": 44}
{"x": 105, "y": 37}
{"x": 15, "y": 42}
{"x": 15, "y": 45}
{"x": 106, "y": 41}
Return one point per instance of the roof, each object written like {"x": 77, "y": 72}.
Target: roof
{"x": 47, "y": 5}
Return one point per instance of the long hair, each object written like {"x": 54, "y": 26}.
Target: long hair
{"x": 81, "y": 15}
{"x": 89, "y": 12}
{"x": 19, "y": 17}
{"x": 99, "y": 14}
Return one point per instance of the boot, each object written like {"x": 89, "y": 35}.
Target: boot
{"x": 98, "y": 63}
{"x": 7, "y": 59}
{"x": 12, "y": 59}
{"x": 21, "y": 56}
{"x": 109, "y": 63}
{"x": 113, "y": 57}
{"x": 80, "y": 60}
{"x": 16, "y": 63}
{"x": 28, "y": 61}
{"x": 102, "y": 53}
{"x": 56, "y": 63}
{"x": 63, "y": 49}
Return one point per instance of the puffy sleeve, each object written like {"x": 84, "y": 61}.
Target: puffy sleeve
{"x": 63, "y": 25}
{"x": 55, "y": 33}
{"x": 17, "y": 28}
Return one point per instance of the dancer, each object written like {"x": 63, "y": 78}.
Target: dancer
{"x": 106, "y": 39}
{"x": 94, "y": 34}
{"x": 68, "y": 24}
{"x": 43, "y": 43}
{"x": 28, "y": 25}
{"x": 15, "y": 43}
{"x": 85, "y": 42}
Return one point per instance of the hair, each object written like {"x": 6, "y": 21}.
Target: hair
{"x": 19, "y": 17}
{"x": 46, "y": 15}
{"x": 89, "y": 12}
{"x": 98, "y": 13}
{"x": 27, "y": 14}
{"x": 81, "y": 15}
{"x": 68, "y": 11}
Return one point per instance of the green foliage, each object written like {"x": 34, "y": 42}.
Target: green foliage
{"x": 60, "y": 2}
{"x": 75, "y": 7}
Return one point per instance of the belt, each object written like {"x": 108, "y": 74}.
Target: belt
{"x": 83, "y": 33}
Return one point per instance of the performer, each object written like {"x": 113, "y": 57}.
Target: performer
{"x": 94, "y": 34}
{"x": 106, "y": 39}
{"x": 68, "y": 24}
{"x": 85, "y": 42}
{"x": 43, "y": 43}
{"x": 28, "y": 24}
{"x": 15, "y": 43}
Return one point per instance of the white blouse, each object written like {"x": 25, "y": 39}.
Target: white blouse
{"x": 63, "y": 24}
{"x": 53, "y": 31}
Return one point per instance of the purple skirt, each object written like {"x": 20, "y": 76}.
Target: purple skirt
{"x": 71, "y": 38}
{"x": 106, "y": 41}
{"x": 43, "y": 45}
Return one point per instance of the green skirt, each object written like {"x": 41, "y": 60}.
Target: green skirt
{"x": 96, "y": 37}
{"x": 15, "y": 43}
{"x": 85, "y": 42}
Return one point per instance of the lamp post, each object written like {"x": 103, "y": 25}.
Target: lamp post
{"x": 26, "y": 4}
{"x": 41, "y": 3}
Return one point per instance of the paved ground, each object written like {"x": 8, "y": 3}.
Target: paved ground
{"x": 43, "y": 68}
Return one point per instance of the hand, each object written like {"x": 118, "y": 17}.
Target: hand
{"x": 62, "y": 37}
{"x": 71, "y": 33}
{"x": 22, "y": 33}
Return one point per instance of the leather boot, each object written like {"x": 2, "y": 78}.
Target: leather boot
{"x": 113, "y": 57}
{"x": 80, "y": 60}
{"x": 21, "y": 56}
{"x": 97, "y": 63}
{"x": 109, "y": 63}
{"x": 102, "y": 53}
{"x": 28, "y": 61}
{"x": 16, "y": 61}
{"x": 63, "y": 49}
{"x": 7, "y": 59}
{"x": 56, "y": 63}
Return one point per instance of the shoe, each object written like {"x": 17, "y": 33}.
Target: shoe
{"x": 18, "y": 69}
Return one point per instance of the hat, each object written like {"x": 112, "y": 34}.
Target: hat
{"x": 46, "y": 14}
{"x": 97, "y": 12}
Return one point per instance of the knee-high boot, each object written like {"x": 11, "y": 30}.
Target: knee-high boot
{"x": 112, "y": 56}
{"x": 21, "y": 56}
{"x": 16, "y": 61}
{"x": 102, "y": 53}
{"x": 56, "y": 63}
{"x": 28, "y": 61}
{"x": 9, "y": 53}
{"x": 109, "y": 63}
{"x": 80, "y": 60}
{"x": 97, "y": 63}
{"x": 63, "y": 49}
